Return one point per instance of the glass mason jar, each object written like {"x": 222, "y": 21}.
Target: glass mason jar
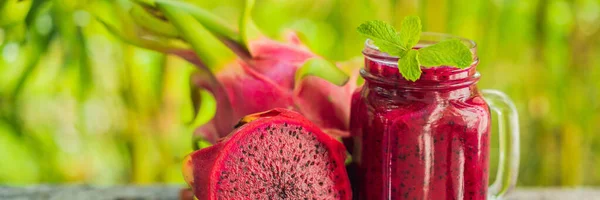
{"x": 429, "y": 139}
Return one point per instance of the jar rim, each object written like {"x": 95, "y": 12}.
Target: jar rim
{"x": 386, "y": 71}
{"x": 371, "y": 51}
{"x": 427, "y": 84}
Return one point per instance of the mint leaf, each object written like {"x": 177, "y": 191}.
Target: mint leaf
{"x": 410, "y": 31}
{"x": 446, "y": 53}
{"x": 384, "y": 36}
{"x": 409, "y": 65}
{"x": 400, "y": 44}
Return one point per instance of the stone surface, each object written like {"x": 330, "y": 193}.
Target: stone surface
{"x": 45, "y": 192}
{"x": 555, "y": 193}
{"x": 171, "y": 192}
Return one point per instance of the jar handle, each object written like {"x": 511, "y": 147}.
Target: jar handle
{"x": 508, "y": 122}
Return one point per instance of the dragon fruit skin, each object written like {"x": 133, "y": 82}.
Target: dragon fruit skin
{"x": 267, "y": 81}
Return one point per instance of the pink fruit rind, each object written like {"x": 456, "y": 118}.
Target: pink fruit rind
{"x": 244, "y": 91}
{"x": 324, "y": 105}
{"x": 279, "y": 61}
{"x": 207, "y": 81}
{"x": 328, "y": 105}
{"x": 207, "y": 163}
{"x": 267, "y": 81}
{"x": 252, "y": 92}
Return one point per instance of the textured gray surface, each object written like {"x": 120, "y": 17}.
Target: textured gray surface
{"x": 555, "y": 194}
{"x": 171, "y": 192}
{"x": 81, "y": 192}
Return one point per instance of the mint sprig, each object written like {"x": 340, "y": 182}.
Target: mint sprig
{"x": 409, "y": 65}
{"x": 410, "y": 31}
{"x": 384, "y": 36}
{"x": 451, "y": 52}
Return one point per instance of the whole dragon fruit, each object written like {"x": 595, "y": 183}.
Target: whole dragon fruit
{"x": 267, "y": 74}
{"x": 267, "y": 81}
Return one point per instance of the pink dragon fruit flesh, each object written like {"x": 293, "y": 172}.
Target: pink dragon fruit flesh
{"x": 277, "y": 154}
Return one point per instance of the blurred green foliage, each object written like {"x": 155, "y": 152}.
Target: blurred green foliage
{"x": 78, "y": 105}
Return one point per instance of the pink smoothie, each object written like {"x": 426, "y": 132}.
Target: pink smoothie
{"x": 427, "y": 139}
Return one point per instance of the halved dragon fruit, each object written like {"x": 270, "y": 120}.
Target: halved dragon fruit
{"x": 277, "y": 154}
